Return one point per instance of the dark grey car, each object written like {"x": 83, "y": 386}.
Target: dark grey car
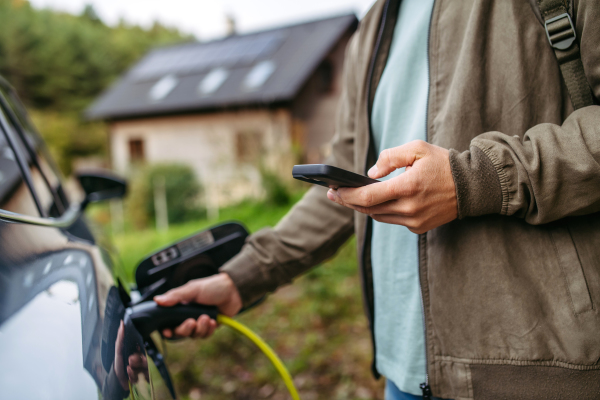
{"x": 61, "y": 304}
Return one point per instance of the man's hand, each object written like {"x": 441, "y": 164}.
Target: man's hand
{"x": 422, "y": 198}
{"x": 217, "y": 290}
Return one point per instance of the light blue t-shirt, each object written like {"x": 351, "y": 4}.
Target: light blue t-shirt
{"x": 398, "y": 117}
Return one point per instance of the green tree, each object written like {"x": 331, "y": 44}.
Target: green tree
{"x": 90, "y": 13}
{"x": 59, "y": 63}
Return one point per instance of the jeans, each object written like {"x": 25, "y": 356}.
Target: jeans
{"x": 393, "y": 393}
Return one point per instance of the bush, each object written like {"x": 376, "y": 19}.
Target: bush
{"x": 182, "y": 188}
{"x": 277, "y": 193}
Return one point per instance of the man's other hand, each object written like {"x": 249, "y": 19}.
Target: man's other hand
{"x": 217, "y": 290}
{"x": 421, "y": 198}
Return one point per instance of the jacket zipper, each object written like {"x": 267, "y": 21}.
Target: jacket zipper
{"x": 364, "y": 244}
{"x": 426, "y": 389}
{"x": 425, "y": 385}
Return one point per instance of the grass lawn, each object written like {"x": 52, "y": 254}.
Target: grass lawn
{"x": 316, "y": 325}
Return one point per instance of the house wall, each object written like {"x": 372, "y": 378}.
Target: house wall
{"x": 223, "y": 148}
{"x": 314, "y": 110}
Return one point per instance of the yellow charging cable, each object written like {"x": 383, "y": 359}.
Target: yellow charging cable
{"x": 265, "y": 348}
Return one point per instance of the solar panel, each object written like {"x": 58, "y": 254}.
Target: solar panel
{"x": 229, "y": 52}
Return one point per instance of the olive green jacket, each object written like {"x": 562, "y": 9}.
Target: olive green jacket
{"x": 511, "y": 289}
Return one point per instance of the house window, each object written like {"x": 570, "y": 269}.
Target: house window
{"x": 163, "y": 87}
{"x": 248, "y": 146}
{"x": 258, "y": 75}
{"x": 213, "y": 81}
{"x": 325, "y": 77}
{"x": 136, "y": 150}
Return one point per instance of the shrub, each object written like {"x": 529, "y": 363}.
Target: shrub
{"x": 182, "y": 189}
{"x": 277, "y": 193}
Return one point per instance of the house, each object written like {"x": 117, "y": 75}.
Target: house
{"x": 232, "y": 106}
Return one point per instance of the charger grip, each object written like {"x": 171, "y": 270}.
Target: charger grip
{"x": 149, "y": 316}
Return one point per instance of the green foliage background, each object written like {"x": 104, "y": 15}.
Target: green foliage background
{"x": 182, "y": 190}
{"x": 59, "y": 63}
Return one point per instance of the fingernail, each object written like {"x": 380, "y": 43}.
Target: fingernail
{"x": 159, "y": 298}
{"x": 373, "y": 170}
{"x": 330, "y": 194}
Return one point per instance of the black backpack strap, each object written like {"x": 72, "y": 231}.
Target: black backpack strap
{"x": 562, "y": 36}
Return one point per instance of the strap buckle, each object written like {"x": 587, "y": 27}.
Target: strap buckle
{"x": 560, "y": 31}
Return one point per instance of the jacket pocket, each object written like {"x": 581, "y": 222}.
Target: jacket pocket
{"x": 572, "y": 270}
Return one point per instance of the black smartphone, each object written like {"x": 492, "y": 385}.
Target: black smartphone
{"x": 329, "y": 176}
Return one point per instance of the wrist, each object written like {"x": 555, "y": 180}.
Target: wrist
{"x": 233, "y": 302}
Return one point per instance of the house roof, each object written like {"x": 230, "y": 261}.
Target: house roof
{"x": 256, "y": 68}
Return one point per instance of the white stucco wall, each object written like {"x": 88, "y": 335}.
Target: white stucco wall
{"x": 207, "y": 142}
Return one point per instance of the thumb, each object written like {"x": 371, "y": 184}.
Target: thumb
{"x": 397, "y": 157}
{"x": 182, "y": 294}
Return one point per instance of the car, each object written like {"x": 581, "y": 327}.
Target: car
{"x": 62, "y": 299}
{"x": 71, "y": 325}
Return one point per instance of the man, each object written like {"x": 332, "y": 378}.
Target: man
{"x": 508, "y": 244}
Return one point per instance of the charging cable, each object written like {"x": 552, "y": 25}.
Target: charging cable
{"x": 148, "y": 317}
{"x": 265, "y": 348}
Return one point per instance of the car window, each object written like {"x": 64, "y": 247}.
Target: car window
{"x": 42, "y": 190}
{"x": 14, "y": 193}
{"x": 44, "y": 173}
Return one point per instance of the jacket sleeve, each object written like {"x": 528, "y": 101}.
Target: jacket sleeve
{"x": 315, "y": 227}
{"x": 553, "y": 171}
